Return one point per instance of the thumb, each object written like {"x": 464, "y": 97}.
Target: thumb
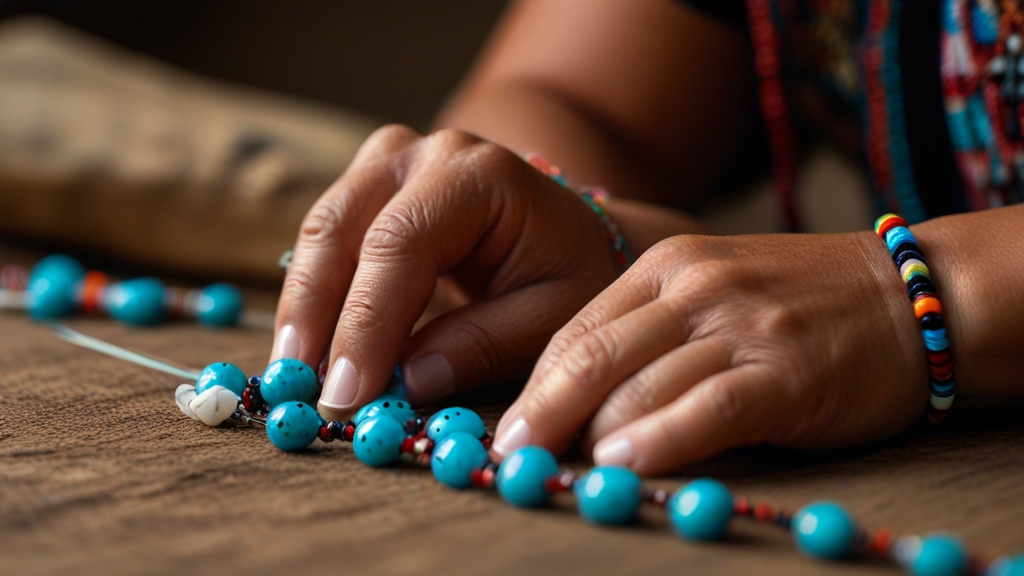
{"x": 489, "y": 342}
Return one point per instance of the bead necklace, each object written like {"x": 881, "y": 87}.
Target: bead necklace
{"x": 58, "y": 286}
{"x": 454, "y": 444}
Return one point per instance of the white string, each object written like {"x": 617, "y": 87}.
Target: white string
{"x": 79, "y": 339}
{"x": 13, "y": 299}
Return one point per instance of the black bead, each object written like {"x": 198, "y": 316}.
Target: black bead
{"x": 932, "y": 321}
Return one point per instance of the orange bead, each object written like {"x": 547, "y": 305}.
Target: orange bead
{"x": 925, "y": 304}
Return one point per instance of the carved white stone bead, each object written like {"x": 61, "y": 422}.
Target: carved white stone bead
{"x": 182, "y": 396}
{"x": 215, "y": 405}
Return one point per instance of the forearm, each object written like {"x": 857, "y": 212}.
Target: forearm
{"x": 977, "y": 264}
{"x": 528, "y": 118}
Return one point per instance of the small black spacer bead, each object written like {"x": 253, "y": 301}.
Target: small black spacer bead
{"x": 783, "y": 520}
{"x": 932, "y": 321}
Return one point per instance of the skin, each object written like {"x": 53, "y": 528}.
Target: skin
{"x": 706, "y": 342}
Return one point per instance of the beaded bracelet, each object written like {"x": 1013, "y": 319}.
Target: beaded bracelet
{"x": 910, "y": 261}
{"x": 594, "y": 197}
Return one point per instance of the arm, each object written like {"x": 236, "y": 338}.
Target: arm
{"x": 647, "y": 98}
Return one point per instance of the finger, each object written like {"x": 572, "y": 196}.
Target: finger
{"x": 328, "y": 244}
{"x": 491, "y": 341}
{"x": 631, "y": 291}
{"x": 434, "y": 223}
{"x": 557, "y": 404}
{"x": 656, "y": 385}
{"x": 730, "y": 409}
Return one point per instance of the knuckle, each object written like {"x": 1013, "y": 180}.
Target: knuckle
{"x": 392, "y": 234}
{"x": 361, "y": 314}
{"x": 589, "y": 360}
{"x": 299, "y": 283}
{"x": 726, "y": 402}
{"x": 451, "y": 139}
{"x": 489, "y": 155}
{"x": 635, "y": 398}
{"x": 487, "y": 350}
{"x": 324, "y": 220}
{"x": 390, "y": 137}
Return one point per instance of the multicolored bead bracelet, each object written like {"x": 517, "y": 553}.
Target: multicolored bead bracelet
{"x": 58, "y": 286}
{"x": 913, "y": 268}
{"x": 594, "y": 197}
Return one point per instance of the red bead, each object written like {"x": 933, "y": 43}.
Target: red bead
{"x": 763, "y": 512}
{"x": 350, "y": 432}
{"x": 742, "y": 507}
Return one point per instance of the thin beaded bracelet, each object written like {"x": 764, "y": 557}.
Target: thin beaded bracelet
{"x": 913, "y": 268}
{"x": 594, "y": 197}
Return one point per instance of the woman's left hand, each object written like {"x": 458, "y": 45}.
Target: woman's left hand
{"x": 707, "y": 343}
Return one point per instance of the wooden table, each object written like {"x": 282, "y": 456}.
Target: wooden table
{"x": 100, "y": 474}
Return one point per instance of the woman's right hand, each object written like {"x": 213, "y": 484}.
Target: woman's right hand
{"x": 409, "y": 210}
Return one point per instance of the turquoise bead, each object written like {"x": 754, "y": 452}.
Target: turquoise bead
{"x": 378, "y": 441}
{"x": 608, "y": 495}
{"x": 219, "y": 305}
{"x": 293, "y": 426}
{"x": 456, "y": 457}
{"x": 940, "y": 555}
{"x": 823, "y": 530}
{"x": 521, "y": 476}
{"x": 387, "y": 405}
{"x": 1007, "y": 566}
{"x": 52, "y": 285}
{"x": 139, "y": 302}
{"x": 701, "y": 510}
{"x": 288, "y": 380}
{"x": 450, "y": 420}
{"x": 222, "y": 374}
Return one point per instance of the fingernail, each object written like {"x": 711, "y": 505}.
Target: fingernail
{"x": 428, "y": 377}
{"x": 517, "y": 435}
{"x": 341, "y": 385}
{"x": 286, "y": 344}
{"x": 617, "y": 452}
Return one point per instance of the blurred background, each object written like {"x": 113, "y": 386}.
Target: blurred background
{"x": 190, "y": 137}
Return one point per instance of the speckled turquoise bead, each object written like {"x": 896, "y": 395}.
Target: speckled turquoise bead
{"x": 139, "y": 302}
{"x": 452, "y": 420}
{"x": 823, "y": 530}
{"x": 52, "y": 285}
{"x": 455, "y": 458}
{"x": 378, "y": 440}
{"x": 1007, "y": 566}
{"x": 293, "y": 426}
{"x": 386, "y": 405}
{"x": 521, "y": 476}
{"x": 701, "y": 510}
{"x": 219, "y": 305}
{"x": 608, "y": 495}
{"x": 289, "y": 380}
{"x": 222, "y": 374}
{"x": 940, "y": 555}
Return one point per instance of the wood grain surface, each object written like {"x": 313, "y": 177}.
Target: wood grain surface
{"x": 100, "y": 474}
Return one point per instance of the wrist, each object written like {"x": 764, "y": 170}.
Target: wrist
{"x": 974, "y": 272}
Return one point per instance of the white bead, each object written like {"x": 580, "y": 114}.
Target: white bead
{"x": 215, "y": 405}
{"x": 1013, "y": 43}
{"x": 182, "y": 396}
{"x": 941, "y": 403}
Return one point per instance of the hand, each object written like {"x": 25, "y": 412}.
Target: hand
{"x": 524, "y": 252}
{"x": 707, "y": 343}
